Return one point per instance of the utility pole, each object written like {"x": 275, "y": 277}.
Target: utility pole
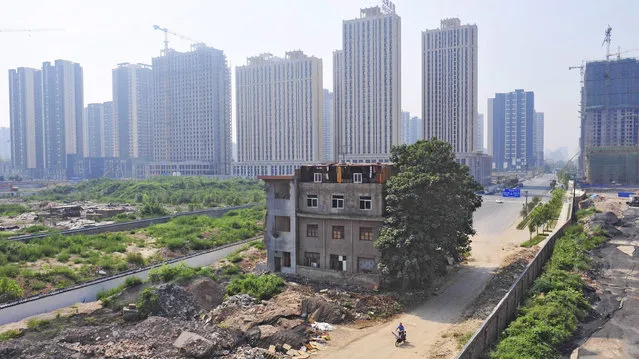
{"x": 526, "y": 193}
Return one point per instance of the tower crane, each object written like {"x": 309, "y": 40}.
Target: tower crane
{"x": 166, "y": 37}
{"x": 606, "y": 41}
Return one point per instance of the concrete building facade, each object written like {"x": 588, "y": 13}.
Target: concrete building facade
{"x": 480, "y": 132}
{"x": 191, "y": 109}
{"x": 512, "y": 123}
{"x": 338, "y": 100}
{"x": 369, "y": 86}
{"x": 411, "y": 128}
{"x": 610, "y": 122}
{"x": 328, "y": 127}
{"x": 131, "y": 125}
{"x": 322, "y": 222}
{"x": 449, "y": 84}
{"x": 63, "y": 108}
{"x": 94, "y": 126}
{"x": 280, "y": 114}
{"x": 538, "y": 139}
{"x": 26, "y": 125}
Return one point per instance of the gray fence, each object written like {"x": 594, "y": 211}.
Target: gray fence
{"x": 506, "y": 310}
{"x": 87, "y": 292}
{"x": 137, "y": 224}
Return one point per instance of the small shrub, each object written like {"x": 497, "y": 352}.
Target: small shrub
{"x": 147, "y": 301}
{"x": 258, "y": 244}
{"x": 166, "y": 273}
{"x": 9, "y": 334}
{"x": 63, "y": 257}
{"x": 135, "y": 258}
{"x": 231, "y": 269}
{"x": 9, "y": 289}
{"x": 260, "y": 287}
{"x": 234, "y": 258}
{"x": 131, "y": 281}
{"x": 38, "y": 324}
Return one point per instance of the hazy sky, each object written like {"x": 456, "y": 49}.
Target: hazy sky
{"x": 522, "y": 44}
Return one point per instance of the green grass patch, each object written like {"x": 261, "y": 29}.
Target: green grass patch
{"x": 534, "y": 241}
{"x": 260, "y": 287}
{"x": 106, "y": 296}
{"x": 586, "y": 212}
{"x": 195, "y": 192}
{"x": 556, "y": 303}
{"x": 38, "y": 324}
{"x": 9, "y": 334}
{"x": 10, "y": 209}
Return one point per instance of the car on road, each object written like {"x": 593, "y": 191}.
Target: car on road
{"x": 499, "y": 200}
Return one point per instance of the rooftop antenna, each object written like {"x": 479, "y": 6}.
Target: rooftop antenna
{"x": 607, "y": 42}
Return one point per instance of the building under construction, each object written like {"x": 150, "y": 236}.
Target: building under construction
{"x": 610, "y": 122}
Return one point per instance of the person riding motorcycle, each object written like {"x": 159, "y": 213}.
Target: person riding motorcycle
{"x": 401, "y": 331}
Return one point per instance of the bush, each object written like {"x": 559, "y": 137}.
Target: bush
{"x": 534, "y": 241}
{"x": 10, "y": 334}
{"x": 260, "y": 287}
{"x": 166, "y": 273}
{"x": 231, "y": 269}
{"x": 135, "y": 258}
{"x": 9, "y": 289}
{"x": 38, "y": 324}
{"x": 147, "y": 301}
{"x": 63, "y": 257}
{"x": 234, "y": 258}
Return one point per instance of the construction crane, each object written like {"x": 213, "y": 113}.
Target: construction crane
{"x": 606, "y": 41}
{"x": 581, "y": 71}
{"x": 166, "y": 37}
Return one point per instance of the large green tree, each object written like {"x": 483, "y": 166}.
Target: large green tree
{"x": 430, "y": 205}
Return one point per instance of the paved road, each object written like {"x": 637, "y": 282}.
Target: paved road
{"x": 496, "y": 238}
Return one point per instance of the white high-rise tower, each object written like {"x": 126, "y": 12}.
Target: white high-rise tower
{"x": 449, "y": 84}
{"x": 368, "y": 120}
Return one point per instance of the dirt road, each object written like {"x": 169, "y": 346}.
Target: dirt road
{"x": 496, "y": 238}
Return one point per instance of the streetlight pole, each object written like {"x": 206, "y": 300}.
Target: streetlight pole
{"x": 526, "y": 193}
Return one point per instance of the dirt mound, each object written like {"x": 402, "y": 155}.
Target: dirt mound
{"x": 318, "y": 309}
{"x": 606, "y": 221}
{"x": 174, "y": 301}
{"x": 207, "y": 293}
{"x": 295, "y": 337}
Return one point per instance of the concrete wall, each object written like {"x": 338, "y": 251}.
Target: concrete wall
{"x": 327, "y": 275}
{"x": 506, "y": 310}
{"x": 351, "y": 192}
{"x": 351, "y": 246}
{"x": 278, "y": 242}
{"x": 87, "y": 292}
{"x": 137, "y": 224}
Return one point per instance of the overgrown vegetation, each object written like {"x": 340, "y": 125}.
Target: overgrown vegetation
{"x": 259, "y": 287}
{"x": 430, "y": 206}
{"x": 556, "y": 302}
{"x": 179, "y": 272}
{"x": 586, "y": 212}
{"x": 9, "y": 334}
{"x": 197, "y": 192}
{"x": 104, "y": 295}
{"x": 107, "y": 252}
{"x": 203, "y": 232}
{"x": 10, "y": 209}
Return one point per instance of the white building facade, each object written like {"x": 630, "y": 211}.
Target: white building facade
{"x": 538, "y": 139}
{"x": 280, "y": 114}
{"x": 329, "y": 126}
{"x": 368, "y": 111}
{"x": 449, "y": 84}
{"x": 480, "y": 132}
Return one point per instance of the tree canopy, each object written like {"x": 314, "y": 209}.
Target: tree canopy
{"x": 430, "y": 205}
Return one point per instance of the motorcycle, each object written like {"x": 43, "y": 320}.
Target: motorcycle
{"x": 399, "y": 338}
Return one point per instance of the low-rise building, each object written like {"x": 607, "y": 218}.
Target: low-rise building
{"x": 322, "y": 222}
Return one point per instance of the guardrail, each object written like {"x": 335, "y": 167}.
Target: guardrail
{"x": 136, "y": 224}
{"x": 506, "y": 309}
{"x": 87, "y": 291}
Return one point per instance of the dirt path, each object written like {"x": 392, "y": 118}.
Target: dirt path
{"x": 496, "y": 239}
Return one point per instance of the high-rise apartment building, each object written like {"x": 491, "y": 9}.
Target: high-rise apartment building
{"x": 98, "y": 125}
{"x": 338, "y": 100}
{"x": 610, "y": 122}
{"x": 328, "y": 132}
{"x": 132, "y": 136}
{"x": 5, "y": 144}
{"x": 511, "y": 119}
{"x": 279, "y": 114}
{"x": 369, "y": 86}
{"x": 63, "y": 107}
{"x": 404, "y": 126}
{"x": 25, "y": 115}
{"x": 480, "y": 133}
{"x": 538, "y": 139}
{"x": 191, "y": 113}
{"x": 449, "y": 84}
{"x": 411, "y": 128}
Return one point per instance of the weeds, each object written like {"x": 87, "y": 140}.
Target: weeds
{"x": 260, "y": 287}
{"x": 9, "y": 334}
